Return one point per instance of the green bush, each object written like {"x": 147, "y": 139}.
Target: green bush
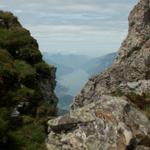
{"x": 6, "y": 62}
{"x": 27, "y": 120}
{"x": 4, "y": 123}
{"x": 43, "y": 69}
{"x": 8, "y": 75}
{"x": 23, "y": 95}
{"x": 26, "y": 73}
{"x": 29, "y": 137}
{"x": 15, "y": 39}
{"x": 9, "y": 19}
{"x": 20, "y": 66}
{"x": 18, "y": 40}
{"x": 5, "y": 56}
{"x": 4, "y": 127}
{"x": 14, "y": 97}
{"x": 31, "y": 55}
{"x": 46, "y": 109}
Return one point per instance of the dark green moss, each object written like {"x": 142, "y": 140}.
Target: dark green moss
{"x": 17, "y": 40}
{"x": 29, "y": 137}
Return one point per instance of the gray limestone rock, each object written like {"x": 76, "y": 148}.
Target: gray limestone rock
{"x": 110, "y": 123}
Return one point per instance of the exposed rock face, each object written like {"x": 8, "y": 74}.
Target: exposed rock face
{"x": 105, "y": 115}
{"x": 111, "y": 123}
{"x": 132, "y": 64}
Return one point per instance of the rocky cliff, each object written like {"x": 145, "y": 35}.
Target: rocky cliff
{"x": 27, "y": 85}
{"x": 110, "y": 112}
{"x": 132, "y": 64}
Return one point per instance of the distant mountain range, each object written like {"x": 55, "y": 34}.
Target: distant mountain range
{"x": 62, "y": 68}
{"x": 99, "y": 64}
{"x": 66, "y": 64}
{"x": 73, "y": 71}
{"x": 71, "y": 60}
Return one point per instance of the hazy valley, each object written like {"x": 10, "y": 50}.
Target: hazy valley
{"x": 73, "y": 71}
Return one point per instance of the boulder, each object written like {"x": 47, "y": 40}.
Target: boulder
{"x": 111, "y": 123}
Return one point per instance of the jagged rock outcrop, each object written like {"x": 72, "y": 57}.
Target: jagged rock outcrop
{"x": 108, "y": 114}
{"x": 111, "y": 123}
{"x": 132, "y": 63}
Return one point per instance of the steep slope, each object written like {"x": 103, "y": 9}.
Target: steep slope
{"x": 105, "y": 115}
{"x": 133, "y": 61}
{"x": 26, "y": 88}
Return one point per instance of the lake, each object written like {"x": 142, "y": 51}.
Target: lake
{"x": 75, "y": 81}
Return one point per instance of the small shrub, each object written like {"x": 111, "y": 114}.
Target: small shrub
{"x": 46, "y": 109}
{"x": 9, "y": 19}
{"x": 14, "y": 97}
{"x": 8, "y": 75}
{"x": 7, "y": 72}
{"x": 27, "y": 120}
{"x": 29, "y": 137}
{"x": 26, "y": 73}
{"x": 43, "y": 69}
{"x": 23, "y": 94}
{"x": 31, "y": 55}
{"x": 5, "y": 56}
{"x": 15, "y": 39}
{"x": 4, "y": 122}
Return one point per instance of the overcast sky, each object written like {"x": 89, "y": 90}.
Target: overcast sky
{"x": 91, "y": 27}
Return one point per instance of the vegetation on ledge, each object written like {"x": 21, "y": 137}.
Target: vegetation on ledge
{"x": 24, "y": 107}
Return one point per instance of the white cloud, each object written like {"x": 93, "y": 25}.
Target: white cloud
{"x": 3, "y": 6}
{"x": 78, "y": 25}
{"x": 18, "y": 11}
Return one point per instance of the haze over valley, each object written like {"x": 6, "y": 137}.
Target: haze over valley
{"x": 73, "y": 71}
